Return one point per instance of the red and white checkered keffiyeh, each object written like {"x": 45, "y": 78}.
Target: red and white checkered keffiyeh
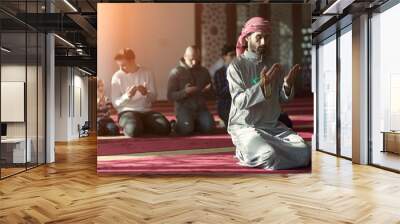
{"x": 255, "y": 24}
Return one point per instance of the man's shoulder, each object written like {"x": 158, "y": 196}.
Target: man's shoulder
{"x": 221, "y": 71}
{"x": 145, "y": 71}
{"x": 204, "y": 70}
{"x": 177, "y": 71}
{"x": 117, "y": 75}
{"x": 238, "y": 61}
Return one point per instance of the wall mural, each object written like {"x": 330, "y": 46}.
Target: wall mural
{"x": 161, "y": 111}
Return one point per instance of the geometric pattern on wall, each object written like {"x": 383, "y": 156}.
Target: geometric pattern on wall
{"x": 213, "y": 35}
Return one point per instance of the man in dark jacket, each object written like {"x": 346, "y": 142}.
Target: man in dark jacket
{"x": 228, "y": 53}
{"x": 188, "y": 85}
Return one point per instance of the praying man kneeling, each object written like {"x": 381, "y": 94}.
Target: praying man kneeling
{"x": 261, "y": 140}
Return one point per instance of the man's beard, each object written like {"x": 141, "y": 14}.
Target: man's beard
{"x": 260, "y": 50}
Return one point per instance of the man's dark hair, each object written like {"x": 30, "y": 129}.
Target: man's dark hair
{"x": 227, "y": 48}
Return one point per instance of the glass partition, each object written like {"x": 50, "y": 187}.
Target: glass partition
{"x": 385, "y": 89}
{"x": 15, "y": 152}
{"x": 346, "y": 92}
{"x": 327, "y": 95}
{"x": 22, "y": 88}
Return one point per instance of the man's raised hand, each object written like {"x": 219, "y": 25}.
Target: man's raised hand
{"x": 267, "y": 76}
{"x": 132, "y": 91}
{"x": 291, "y": 76}
{"x": 142, "y": 89}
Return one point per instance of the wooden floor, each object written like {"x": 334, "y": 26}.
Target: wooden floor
{"x": 70, "y": 191}
{"x": 10, "y": 171}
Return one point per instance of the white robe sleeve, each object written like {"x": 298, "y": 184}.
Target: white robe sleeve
{"x": 243, "y": 97}
{"x": 118, "y": 97}
{"x": 283, "y": 96}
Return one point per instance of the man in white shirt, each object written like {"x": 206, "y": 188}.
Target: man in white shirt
{"x": 133, "y": 91}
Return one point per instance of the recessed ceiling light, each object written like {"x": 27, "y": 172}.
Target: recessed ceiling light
{"x": 70, "y": 5}
{"x": 84, "y": 71}
{"x": 337, "y": 7}
{"x": 5, "y": 50}
{"x": 64, "y": 40}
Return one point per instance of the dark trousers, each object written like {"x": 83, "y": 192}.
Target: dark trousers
{"x": 189, "y": 121}
{"x": 284, "y": 118}
{"x": 137, "y": 123}
{"x": 223, "y": 113}
{"x": 107, "y": 127}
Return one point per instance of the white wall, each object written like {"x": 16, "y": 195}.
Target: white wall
{"x": 67, "y": 115}
{"x": 158, "y": 33}
{"x": 12, "y": 73}
{"x": 61, "y": 103}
